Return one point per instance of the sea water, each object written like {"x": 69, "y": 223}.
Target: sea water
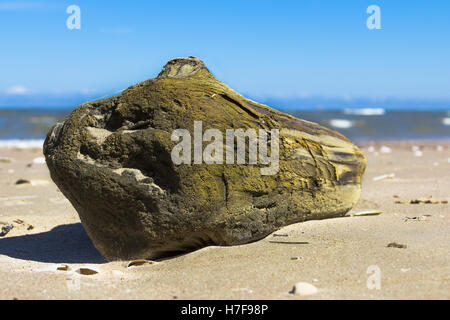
{"x": 28, "y": 127}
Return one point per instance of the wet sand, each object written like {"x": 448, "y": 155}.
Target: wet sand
{"x": 334, "y": 255}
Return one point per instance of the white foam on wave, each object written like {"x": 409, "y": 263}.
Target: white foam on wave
{"x": 22, "y": 144}
{"x": 446, "y": 121}
{"x": 365, "y": 111}
{"x": 341, "y": 123}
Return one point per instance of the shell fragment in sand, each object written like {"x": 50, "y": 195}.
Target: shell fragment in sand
{"x": 385, "y": 149}
{"x": 21, "y": 223}
{"x": 366, "y": 213}
{"x": 304, "y": 289}
{"x": 384, "y": 177}
{"x": 280, "y": 235}
{"x": 424, "y": 217}
{"x": 40, "y": 160}
{"x": 36, "y": 183}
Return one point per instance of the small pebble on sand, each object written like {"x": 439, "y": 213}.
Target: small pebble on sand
{"x": 87, "y": 271}
{"x": 396, "y": 245}
{"x": 53, "y": 268}
{"x": 304, "y": 289}
{"x": 425, "y": 217}
{"x": 34, "y": 183}
{"x": 6, "y": 229}
{"x": 140, "y": 262}
{"x": 23, "y": 181}
{"x": 422, "y": 201}
{"x": 63, "y": 267}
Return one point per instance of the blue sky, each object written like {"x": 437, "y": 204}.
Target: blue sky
{"x": 264, "y": 49}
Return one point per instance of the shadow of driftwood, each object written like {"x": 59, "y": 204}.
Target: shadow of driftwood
{"x": 63, "y": 244}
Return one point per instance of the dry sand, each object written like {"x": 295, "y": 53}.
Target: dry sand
{"x": 334, "y": 255}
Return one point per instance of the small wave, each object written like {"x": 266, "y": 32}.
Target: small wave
{"x": 341, "y": 123}
{"x": 22, "y": 144}
{"x": 446, "y": 121}
{"x": 365, "y": 112}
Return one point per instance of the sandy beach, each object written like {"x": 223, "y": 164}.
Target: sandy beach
{"x": 408, "y": 243}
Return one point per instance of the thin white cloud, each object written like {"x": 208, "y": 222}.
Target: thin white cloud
{"x": 17, "y": 90}
{"x": 20, "y": 5}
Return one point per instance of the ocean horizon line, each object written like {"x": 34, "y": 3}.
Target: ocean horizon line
{"x": 317, "y": 108}
{"x": 32, "y": 124}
